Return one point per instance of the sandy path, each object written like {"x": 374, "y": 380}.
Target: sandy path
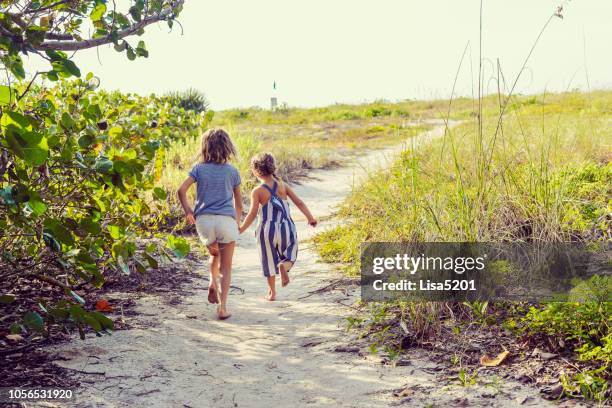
{"x": 269, "y": 354}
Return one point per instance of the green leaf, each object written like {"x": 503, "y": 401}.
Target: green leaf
{"x": 115, "y": 231}
{"x": 106, "y": 323}
{"x": 179, "y": 246}
{"x": 6, "y": 95}
{"x": 36, "y": 150}
{"x": 85, "y": 141}
{"x": 92, "y": 322}
{"x": 37, "y": 206}
{"x": 98, "y": 12}
{"x": 14, "y": 63}
{"x": 115, "y": 131}
{"x": 135, "y": 13}
{"x": 123, "y": 265}
{"x": 15, "y": 119}
{"x": 52, "y": 75}
{"x": 70, "y": 67}
{"x": 14, "y": 141}
{"x": 30, "y": 146}
{"x": 141, "y": 50}
{"x": 33, "y": 321}
{"x": 152, "y": 261}
{"x": 67, "y": 121}
{"x": 58, "y": 231}
{"x": 77, "y": 297}
{"x": 7, "y": 299}
{"x": 159, "y": 193}
{"x": 140, "y": 267}
{"x": 103, "y": 164}
{"x": 16, "y": 328}
{"x": 90, "y": 226}
{"x": 56, "y": 55}
{"x": 131, "y": 54}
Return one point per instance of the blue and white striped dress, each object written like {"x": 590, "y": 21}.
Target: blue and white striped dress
{"x": 276, "y": 234}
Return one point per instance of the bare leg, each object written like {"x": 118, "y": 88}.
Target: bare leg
{"x": 272, "y": 292}
{"x": 213, "y": 290}
{"x": 213, "y": 249}
{"x": 227, "y": 253}
{"x": 284, "y": 268}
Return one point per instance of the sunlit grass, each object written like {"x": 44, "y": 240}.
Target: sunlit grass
{"x": 546, "y": 176}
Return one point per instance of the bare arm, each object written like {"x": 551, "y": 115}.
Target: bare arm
{"x": 252, "y": 211}
{"x": 301, "y": 205}
{"x": 182, "y": 196}
{"x": 238, "y": 203}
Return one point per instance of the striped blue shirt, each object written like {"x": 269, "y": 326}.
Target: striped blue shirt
{"x": 215, "y": 188}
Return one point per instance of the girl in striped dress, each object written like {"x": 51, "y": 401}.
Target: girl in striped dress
{"x": 276, "y": 234}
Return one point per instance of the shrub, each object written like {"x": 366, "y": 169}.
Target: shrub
{"x": 76, "y": 173}
{"x": 189, "y": 100}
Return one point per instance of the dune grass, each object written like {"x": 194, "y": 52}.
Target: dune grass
{"x": 546, "y": 176}
{"x": 297, "y": 148}
{"x": 542, "y": 172}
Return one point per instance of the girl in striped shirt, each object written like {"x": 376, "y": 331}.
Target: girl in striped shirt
{"x": 276, "y": 234}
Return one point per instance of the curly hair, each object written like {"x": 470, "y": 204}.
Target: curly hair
{"x": 264, "y": 164}
{"x": 217, "y": 147}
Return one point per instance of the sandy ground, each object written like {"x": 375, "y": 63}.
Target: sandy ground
{"x": 269, "y": 354}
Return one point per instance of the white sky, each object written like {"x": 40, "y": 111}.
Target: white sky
{"x": 326, "y": 51}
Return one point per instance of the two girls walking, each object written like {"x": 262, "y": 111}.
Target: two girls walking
{"x": 218, "y": 210}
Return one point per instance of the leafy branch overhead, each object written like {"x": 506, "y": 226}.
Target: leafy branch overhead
{"x": 50, "y": 28}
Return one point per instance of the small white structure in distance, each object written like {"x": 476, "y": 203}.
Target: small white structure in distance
{"x": 274, "y": 98}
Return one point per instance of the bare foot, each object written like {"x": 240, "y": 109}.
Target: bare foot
{"x": 271, "y": 296}
{"x": 284, "y": 268}
{"x": 222, "y": 313}
{"x": 212, "y": 294}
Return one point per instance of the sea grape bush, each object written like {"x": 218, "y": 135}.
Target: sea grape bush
{"x": 78, "y": 168}
{"x": 78, "y": 173}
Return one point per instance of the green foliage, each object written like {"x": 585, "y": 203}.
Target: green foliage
{"x": 466, "y": 379}
{"x": 583, "y": 323}
{"x": 75, "y": 169}
{"x": 341, "y": 245}
{"x": 478, "y": 310}
{"x": 190, "y": 100}
{"x": 553, "y": 186}
{"x": 53, "y": 28}
{"x": 588, "y": 384}
{"x": 599, "y": 354}
{"x": 378, "y": 111}
{"x": 586, "y": 326}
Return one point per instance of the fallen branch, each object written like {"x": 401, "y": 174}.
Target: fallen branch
{"x": 50, "y": 280}
{"x": 333, "y": 285}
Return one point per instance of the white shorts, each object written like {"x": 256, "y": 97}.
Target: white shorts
{"x": 213, "y": 228}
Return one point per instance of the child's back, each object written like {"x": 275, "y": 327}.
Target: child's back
{"x": 217, "y": 211}
{"x": 215, "y": 188}
{"x": 276, "y": 233}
